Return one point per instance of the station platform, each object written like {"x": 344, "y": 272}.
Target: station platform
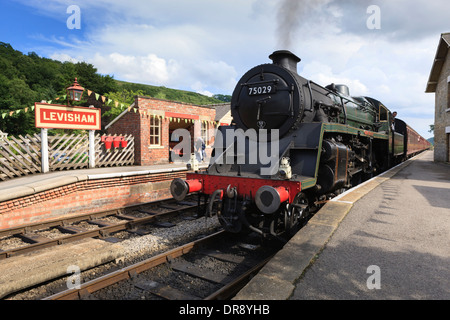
{"x": 26, "y": 185}
{"x": 386, "y": 239}
{"x": 42, "y": 197}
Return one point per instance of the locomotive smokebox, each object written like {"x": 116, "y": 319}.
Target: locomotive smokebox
{"x": 285, "y": 59}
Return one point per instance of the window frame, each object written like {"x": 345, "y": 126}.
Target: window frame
{"x": 153, "y": 137}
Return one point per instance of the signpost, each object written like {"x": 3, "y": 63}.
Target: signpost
{"x": 64, "y": 117}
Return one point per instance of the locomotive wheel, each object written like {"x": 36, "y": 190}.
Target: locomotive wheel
{"x": 295, "y": 212}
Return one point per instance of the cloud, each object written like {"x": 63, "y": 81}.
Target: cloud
{"x": 401, "y": 20}
{"x": 145, "y": 69}
{"x": 206, "y": 46}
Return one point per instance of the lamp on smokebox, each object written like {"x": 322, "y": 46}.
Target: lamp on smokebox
{"x": 75, "y": 91}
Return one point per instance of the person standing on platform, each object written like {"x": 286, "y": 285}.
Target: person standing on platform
{"x": 200, "y": 149}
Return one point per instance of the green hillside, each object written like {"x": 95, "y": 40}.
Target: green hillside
{"x": 167, "y": 93}
{"x": 28, "y": 78}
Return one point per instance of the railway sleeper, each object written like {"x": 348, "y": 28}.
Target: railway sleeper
{"x": 164, "y": 291}
{"x": 193, "y": 270}
{"x": 32, "y": 238}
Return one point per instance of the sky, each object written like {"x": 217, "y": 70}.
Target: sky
{"x": 380, "y": 48}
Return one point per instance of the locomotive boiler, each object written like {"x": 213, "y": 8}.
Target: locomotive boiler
{"x": 292, "y": 145}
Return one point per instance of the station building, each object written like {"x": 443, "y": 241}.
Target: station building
{"x": 439, "y": 83}
{"x": 153, "y": 121}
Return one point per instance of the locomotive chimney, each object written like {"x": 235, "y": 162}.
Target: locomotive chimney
{"x": 285, "y": 59}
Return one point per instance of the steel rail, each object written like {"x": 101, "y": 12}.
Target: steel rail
{"x": 230, "y": 290}
{"x": 67, "y": 220}
{"x": 130, "y": 271}
{"x": 126, "y": 224}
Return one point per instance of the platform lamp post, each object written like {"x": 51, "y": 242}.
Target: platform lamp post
{"x": 75, "y": 93}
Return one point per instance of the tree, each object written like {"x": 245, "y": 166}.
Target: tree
{"x": 222, "y": 97}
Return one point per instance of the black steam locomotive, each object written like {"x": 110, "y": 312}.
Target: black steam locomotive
{"x": 292, "y": 145}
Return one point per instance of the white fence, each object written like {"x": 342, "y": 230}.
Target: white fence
{"x": 22, "y": 155}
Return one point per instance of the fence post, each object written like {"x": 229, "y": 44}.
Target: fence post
{"x": 44, "y": 151}
{"x": 91, "y": 147}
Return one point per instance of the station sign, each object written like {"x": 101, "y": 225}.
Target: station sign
{"x": 63, "y": 117}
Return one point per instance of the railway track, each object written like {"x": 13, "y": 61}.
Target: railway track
{"x": 135, "y": 219}
{"x": 213, "y": 267}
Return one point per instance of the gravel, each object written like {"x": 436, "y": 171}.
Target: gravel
{"x": 164, "y": 238}
{"x": 135, "y": 249}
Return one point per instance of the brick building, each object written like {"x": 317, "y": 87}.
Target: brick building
{"x": 439, "y": 83}
{"x": 152, "y": 122}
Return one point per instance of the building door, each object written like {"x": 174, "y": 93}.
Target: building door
{"x": 448, "y": 148}
{"x": 176, "y": 139}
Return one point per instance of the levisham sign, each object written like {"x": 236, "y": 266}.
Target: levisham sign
{"x": 63, "y": 117}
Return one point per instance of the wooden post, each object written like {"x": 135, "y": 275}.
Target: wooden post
{"x": 44, "y": 151}
{"x": 91, "y": 147}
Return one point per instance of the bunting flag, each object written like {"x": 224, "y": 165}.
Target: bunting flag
{"x": 104, "y": 99}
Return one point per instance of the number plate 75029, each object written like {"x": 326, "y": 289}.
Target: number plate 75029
{"x": 261, "y": 89}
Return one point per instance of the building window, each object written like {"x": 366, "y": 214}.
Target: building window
{"x": 155, "y": 131}
{"x": 204, "y": 132}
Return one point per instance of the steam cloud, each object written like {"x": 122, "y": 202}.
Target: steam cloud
{"x": 291, "y": 14}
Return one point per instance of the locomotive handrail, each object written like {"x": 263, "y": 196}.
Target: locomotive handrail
{"x": 311, "y": 95}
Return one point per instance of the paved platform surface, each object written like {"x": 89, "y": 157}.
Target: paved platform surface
{"x": 387, "y": 239}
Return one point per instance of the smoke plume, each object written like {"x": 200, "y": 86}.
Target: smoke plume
{"x": 291, "y": 14}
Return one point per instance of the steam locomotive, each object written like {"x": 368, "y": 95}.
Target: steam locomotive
{"x": 293, "y": 145}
